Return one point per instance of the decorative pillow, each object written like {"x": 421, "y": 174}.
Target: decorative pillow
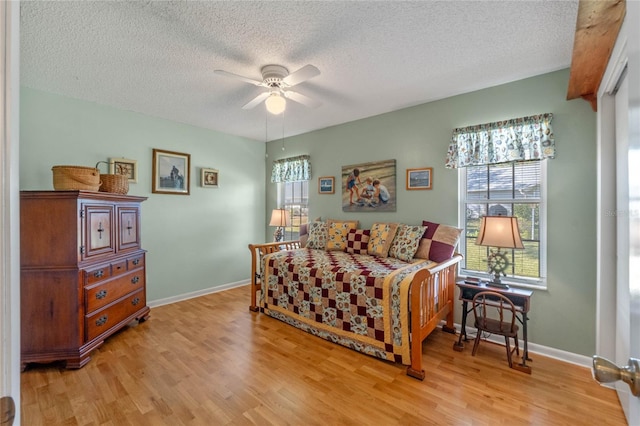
{"x": 304, "y": 232}
{"x": 317, "y": 235}
{"x": 353, "y": 223}
{"x": 438, "y": 242}
{"x": 380, "y": 239}
{"x": 405, "y": 243}
{"x": 357, "y": 241}
{"x": 337, "y": 235}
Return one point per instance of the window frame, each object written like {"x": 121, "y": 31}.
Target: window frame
{"x": 289, "y": 233}
{"x": 517, "y": 281}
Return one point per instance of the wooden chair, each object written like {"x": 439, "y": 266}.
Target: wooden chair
{"x": 495, "y": 313}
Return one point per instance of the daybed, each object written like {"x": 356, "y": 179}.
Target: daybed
{"x": 363, "y": 289}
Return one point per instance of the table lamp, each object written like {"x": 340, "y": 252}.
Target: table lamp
{"x": 279, "y": 218}
{"x": 500, "y": 232}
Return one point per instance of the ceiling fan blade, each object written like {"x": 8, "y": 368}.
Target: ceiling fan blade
{"x": 303, "y": 74}
{"x": 302, "y": 99}
{"x": 255, "y": 101}
{"x": 239, "y": 77}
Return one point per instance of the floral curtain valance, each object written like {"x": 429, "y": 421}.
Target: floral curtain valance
{"x": 518, "y": 139}
{"x": 291, "y": 169}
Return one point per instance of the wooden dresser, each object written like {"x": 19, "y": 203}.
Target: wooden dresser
{"x": 82, "y": 272}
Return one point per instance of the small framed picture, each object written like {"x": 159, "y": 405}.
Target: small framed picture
{"x": 326, "y": 185}
{"x": 170, "y": 172}
{"x": 420, "y": 178}
{"x": 209, "y": 178}
{"x": 124, "y": 166}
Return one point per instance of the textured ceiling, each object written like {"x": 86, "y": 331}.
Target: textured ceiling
{"x": 158, "y": 58}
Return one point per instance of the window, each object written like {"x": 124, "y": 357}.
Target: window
{"x": 510, "y": 189}
{"x": 294, "y": 197}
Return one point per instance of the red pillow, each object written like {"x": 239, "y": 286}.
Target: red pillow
{"x": 438, "y": 242}
{"x": 357, "y": 241}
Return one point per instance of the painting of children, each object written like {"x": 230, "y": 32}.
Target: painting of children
{"x": 352, "y": 185}
{"x": 369, "y": 187}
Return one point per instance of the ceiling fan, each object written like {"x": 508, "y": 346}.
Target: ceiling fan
{"x": 277, "y": 79}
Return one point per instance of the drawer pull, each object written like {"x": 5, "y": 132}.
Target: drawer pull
{"x": 136, "y": 261}
{"x": 135, "y": 301}
{"x": 101, "y": 294}
{"x": 101, "y": 321}
{"x": 98, "y": 274}
{"x": 135, "y": 280}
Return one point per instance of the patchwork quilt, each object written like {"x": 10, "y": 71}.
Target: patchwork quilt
{"x": 355, "y": 300}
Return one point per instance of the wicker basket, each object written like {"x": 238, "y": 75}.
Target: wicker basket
{"x": 114, "y": 183}
{"x": 75, "y": 178}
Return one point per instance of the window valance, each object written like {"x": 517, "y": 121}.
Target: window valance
{"x": 291, "y": 169}
{"x": 518, "y": 139}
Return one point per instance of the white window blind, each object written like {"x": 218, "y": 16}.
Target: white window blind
{"x": 510, "y": 189}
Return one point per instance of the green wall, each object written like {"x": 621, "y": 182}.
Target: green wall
{"x": 194, "y": 242}
{"x": 200, "y": 241}
{"x": 564, "y": 315}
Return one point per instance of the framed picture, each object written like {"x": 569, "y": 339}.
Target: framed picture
{"x": 209, "y": 178}
{"x": 326, "y": 185}
{"x": 170, "y": 172}
{"x": 420, "y": 178}
{"x": 369, "y": 187}
{"x": 124, "y": 166}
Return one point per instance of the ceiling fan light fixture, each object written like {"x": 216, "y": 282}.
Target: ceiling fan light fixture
{"x": 275, "y": 103}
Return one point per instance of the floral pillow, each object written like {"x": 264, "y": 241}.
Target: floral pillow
{"x": 353, "y": 223}
{"x": 381, "y": 238}
{"x": 318, "y": 233}
{"x": 337, "y": 235}
{"x": 405, "y": 243}
{"x": 438, "y": 242}
{"x": 357, "y": 241}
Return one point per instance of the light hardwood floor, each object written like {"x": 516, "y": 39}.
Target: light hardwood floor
{"x": 209, "y": 361}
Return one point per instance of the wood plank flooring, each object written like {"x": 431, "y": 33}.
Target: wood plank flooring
{"x": 209, "y": 361}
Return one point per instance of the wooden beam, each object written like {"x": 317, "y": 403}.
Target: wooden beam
{"x": 597, "y": 28}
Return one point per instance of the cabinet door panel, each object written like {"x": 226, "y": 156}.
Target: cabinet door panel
{"x": 129, "y": 231}
{"x": 99, "y": 233}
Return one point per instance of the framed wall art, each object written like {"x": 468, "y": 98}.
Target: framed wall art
{"x": 124, "y": 166}
{"x": 369, "y": 187}
{"x": 209, "y": 178}
{"x": 420, "y": 178}
{"x": 170, "y": 172}
{"x": 326, "y": 185}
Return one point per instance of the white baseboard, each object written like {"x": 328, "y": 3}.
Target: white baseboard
{"x": 534, "y": 348}
{"x": 191, "y": 295}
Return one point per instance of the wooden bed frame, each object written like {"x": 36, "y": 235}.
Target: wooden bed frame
{"x": 424, "y": 316}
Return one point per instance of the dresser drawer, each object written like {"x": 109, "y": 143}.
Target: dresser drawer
{"x": 102, "y": 294}
{"x": 103, "y": 320}
{"x": 135, "y": 262}
{"x": 118, "y": 268}
{"x": 97, "y": 274}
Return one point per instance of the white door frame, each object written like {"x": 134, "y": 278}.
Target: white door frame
{"x": 625, "y": 53}
{"x": 10, "y": 203}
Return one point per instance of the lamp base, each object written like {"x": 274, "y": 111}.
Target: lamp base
{"x": 278, "y": 235}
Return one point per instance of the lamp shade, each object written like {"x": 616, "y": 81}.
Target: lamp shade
{"x": 280, "y": 217}
{"x": 500, "y": 231}
{"x": 275, "y": 103}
